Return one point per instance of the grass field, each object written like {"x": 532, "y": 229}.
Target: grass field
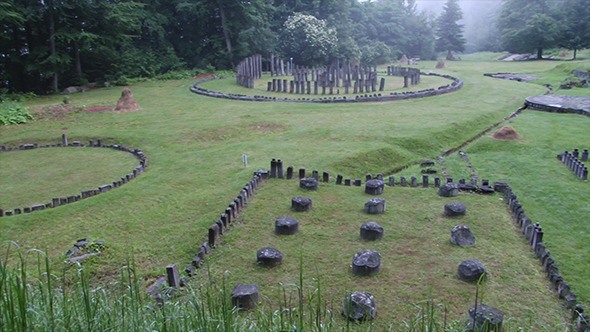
{"x": 194, "y": 145}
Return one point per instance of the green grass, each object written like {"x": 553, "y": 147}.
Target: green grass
{"x": 194, "y": 145}
{"x": 418, "y": 260}
{"x": 58, "y": 172}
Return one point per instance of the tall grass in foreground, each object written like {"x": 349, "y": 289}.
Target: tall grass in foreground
{"x": 35, "y": 299}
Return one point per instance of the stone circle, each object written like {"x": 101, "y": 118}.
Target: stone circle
{"x": 471, "y": 270}
{"x": 308, "y": 183}
{"x": 462, "y": 236}
{"x": 484, "y": 317}
{"x": 366, "y": 263}
{"x": 455, "y": 209}
{"x": 371, "y": 231}
{"x": 301, "y": 203}
{"x": 448, "y": 190}
{"x": 269, "y": 257}
{"x": 286, "y": 226}
{"x": 360, "y": 306}
{"x": 374, "y": 187}
{"x": 375, "y": 206}
{"x": 59, "y": 201}
{"x": 245, "y": 296}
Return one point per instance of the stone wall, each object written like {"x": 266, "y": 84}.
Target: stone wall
{"x": 58, "y": 201}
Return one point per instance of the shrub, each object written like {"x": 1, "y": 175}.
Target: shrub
{"x": 12, "y": 112}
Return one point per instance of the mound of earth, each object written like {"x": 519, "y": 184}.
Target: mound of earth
{"x": 506, "y": 133}
{"x": 126, "y": 103}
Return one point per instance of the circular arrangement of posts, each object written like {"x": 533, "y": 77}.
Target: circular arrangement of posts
{"x": 326, "y": 83}
{"x": 59, "y": 201}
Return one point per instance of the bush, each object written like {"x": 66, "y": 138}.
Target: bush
{"x": 12, "y": 112}
{"x": 122, "y": 81}
{"x": 176, "y": 75}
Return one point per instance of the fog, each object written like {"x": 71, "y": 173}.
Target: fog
{"x": 479, "y": 18}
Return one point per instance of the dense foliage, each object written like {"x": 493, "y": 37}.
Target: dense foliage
{"x": 12, "y": 112}
{"x": 48, "y": 45}
{"x": 527, "y": 26}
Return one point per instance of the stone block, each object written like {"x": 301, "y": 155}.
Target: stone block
{"x": 366, "y": 263}
{"x": 301, "y": 204}
{"x": 371, "y": 231}
{"x": 286, "y": 226}
{"x": 245, "y": 296}
{"x": 269, "y": 257}
{"x": 461, "y": 235}
{"x": 471, "y": 270}
{"x": 374, "y": 187}
{"x": 360, "y": 306}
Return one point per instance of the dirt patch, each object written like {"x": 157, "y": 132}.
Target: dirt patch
{"x": 126, "y": 103}
{"x": 262, "y": 127}
{"x": 98, "y": 108}
{"x": 204, "y": 76}
{"x": 54, "y": 112}
{"x": 61, "y": 111}
{"x": 506, "y": 133}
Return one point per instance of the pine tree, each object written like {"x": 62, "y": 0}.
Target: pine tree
{"x": 449, "y": 32}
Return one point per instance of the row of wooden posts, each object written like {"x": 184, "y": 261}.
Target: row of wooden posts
{"x": 248, "y": 70}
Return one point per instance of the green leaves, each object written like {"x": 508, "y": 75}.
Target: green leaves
{"x": 13, "y": 113}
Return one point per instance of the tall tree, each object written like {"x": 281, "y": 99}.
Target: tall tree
{"x": 526, "y": 26}
{"x": 449, "y": 32}
{"x": 575, "y": 34}
{"x": 308, "y": 40}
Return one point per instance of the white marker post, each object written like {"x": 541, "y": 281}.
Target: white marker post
{"x": 245, "y": 160}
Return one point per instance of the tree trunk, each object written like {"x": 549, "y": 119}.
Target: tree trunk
{"x": 78, "y": 63}
{"x": 450, "y": 56}
{"x": 539, "y": 54}
{"x": 225, "y": 32}
{"x": 54, "y": 82}
{"x": 575, "y": 50}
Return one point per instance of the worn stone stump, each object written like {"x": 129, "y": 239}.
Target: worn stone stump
{"x": 245, "y": 296}
{"x": 455, "y": 209}
{"x": 300, "y": 203}
{"x": 485, "y": 318}
{"x": 471, "y": 270}
{"x": 448, "y": 190}
{"x": 269, "y": 257}
{"x": 308, "y": 183}
{"x": 375, "y": 206}
{"x": 371, "y": 231}
{"x": 366, "y": 263}
{"x": 360, "y": 306}
{"x": 374, "y": 187}
{"x": 286, "y": 226}
{"x": 462, "y": 236}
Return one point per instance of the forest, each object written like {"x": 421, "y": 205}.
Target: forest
{"x": 48, "y": 45}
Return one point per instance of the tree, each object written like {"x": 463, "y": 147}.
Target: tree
{"x": 449, "y": 32}
{"x": 308, "y": 40}
{"x": 576, "y": 31}
{"x": 527, "y": 25}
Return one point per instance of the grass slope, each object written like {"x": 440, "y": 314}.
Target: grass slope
{"x": 194, "y": 145}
